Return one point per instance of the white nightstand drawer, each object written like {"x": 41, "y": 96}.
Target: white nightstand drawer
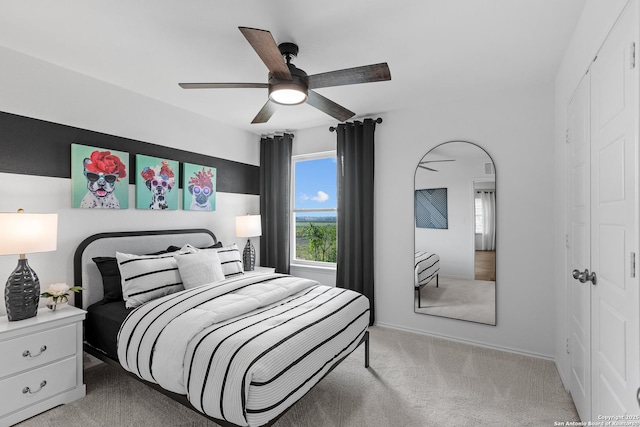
{"x": 31, "y": 351}
{"x": 33, "y": 386}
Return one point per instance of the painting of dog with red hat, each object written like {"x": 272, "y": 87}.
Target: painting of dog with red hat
{"x": 198, "y": 188}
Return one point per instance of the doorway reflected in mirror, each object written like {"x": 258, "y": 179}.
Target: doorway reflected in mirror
{"x": 455, "y": 267}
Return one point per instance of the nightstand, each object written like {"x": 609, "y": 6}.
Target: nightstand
{"x": 41, "y": 363}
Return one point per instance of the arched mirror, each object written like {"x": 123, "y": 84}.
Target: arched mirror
{"x": 455, "y": 233}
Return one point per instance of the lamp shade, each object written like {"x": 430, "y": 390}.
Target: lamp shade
{"x": 25, "y": 233}
{"x": 289, "y": 92}
{"x": 248, "y": 226}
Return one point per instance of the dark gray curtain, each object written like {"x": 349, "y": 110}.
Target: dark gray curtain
{"x": 355, "y": 153}
{"x": 275, "y": 178}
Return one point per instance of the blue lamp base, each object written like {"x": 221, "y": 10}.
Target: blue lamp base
{"x": 22, "y": 292}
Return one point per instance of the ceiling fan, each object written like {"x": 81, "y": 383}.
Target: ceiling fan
{"x": 420, "y": 165}
{"x": 289, "y": 85}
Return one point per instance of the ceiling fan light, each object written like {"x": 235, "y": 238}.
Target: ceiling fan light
{"x": 288, "y": 95}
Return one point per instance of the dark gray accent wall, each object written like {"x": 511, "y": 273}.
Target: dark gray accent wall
{"x": 36, "y": 147}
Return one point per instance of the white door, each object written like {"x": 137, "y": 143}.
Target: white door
{"x": 604, "y": 320}
{"x": 579, "y": 253}
{"x": 615, "y": 356}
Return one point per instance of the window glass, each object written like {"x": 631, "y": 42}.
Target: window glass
{"x": 315, "y": 212}
{"x": 479, "y": 219}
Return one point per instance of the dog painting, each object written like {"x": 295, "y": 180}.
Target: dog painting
{"x": 155, "y": 183}
{"x": 198, "y": 188}
{"x": 97, "y": 178}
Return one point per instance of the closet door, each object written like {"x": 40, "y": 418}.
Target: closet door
{"x": 615, "y": 356}
{"x": 579, "y": 246}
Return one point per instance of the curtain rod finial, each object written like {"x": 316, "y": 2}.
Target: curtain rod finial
{"x": 332, "y": 128}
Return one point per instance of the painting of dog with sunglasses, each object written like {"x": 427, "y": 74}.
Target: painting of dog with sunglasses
{"x": 201, "y": 186}
{"x": 103, "y": 171}
{"x": 159, "y": 180}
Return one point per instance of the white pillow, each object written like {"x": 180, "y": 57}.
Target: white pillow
{"x": 199, "y": 268}
{"x": 147, "y": 277}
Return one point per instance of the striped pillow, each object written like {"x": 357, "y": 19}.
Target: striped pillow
{"x": 147, "y": 277}
{"x": 230, "y": 259}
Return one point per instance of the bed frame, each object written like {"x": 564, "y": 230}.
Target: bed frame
{"x": 87, "y": 276}
{"x": 418, "y": 288}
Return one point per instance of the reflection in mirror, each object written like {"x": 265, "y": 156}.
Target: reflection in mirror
{"x": 455, "y": 233}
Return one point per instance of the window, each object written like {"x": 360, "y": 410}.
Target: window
{"x": 314, "y": 215}
{"x": 479, "y": 215}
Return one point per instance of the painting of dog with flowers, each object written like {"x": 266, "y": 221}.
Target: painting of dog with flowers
{"x": 98, "y": 178}
{"x": 198, "y": 188}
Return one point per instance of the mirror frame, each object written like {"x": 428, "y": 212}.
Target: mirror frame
{"x": 495, "y": 174}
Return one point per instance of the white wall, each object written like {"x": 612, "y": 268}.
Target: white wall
{"x": 37, "y": 89}
{"x": 326, "y": 276}
{"x": 515, "y": 127}
{"x": 595, "y": 22}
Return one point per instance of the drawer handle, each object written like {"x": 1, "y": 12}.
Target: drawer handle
{"x": 28, "y": 390}
{"x": 27, "y": 353}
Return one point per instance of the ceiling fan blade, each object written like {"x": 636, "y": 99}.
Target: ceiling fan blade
{"x": 222, "y": 85}
{"x": 265, "y": 46}
{"x": 265, "y": 113}
{"x": 429, "y": 169}
{"x": 365, "y": 74}
{"x": 328, "y": 106}
{"x": 436, "y": 161}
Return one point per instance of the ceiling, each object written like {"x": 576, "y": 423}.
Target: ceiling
{"x": 434, "y": 48}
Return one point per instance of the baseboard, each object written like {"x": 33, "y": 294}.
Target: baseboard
{"x": 470, "y": 342}
{"x": 563, "y": 377}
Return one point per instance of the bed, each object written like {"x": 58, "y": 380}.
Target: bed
{"x": 240, "y": 350}
{"x": 426, "y": 268}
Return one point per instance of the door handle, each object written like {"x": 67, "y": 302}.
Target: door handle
{"x": 585, "y": 276}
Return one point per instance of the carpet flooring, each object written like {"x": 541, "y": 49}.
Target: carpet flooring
{"x": 413, "y": 381}
{"x": 472, "y": 300}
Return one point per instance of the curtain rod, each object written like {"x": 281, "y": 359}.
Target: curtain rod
{"x": 334, "y": 128}
{"x": 278, "y": 133}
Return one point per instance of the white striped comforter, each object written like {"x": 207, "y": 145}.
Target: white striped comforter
{"x": 244, "y": 349}
{"x": 427, "y": 266}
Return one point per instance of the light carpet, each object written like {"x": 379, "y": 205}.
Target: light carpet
{"x": 472, "y": 300}
{"x": 413, "y": 381}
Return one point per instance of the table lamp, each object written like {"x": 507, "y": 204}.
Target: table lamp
{"x": 248, "y": 226}
{"x": 22, "y": 233}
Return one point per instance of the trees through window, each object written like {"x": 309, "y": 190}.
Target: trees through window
{"x": 314, "y": 209}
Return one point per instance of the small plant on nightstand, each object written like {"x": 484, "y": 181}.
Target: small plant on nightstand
{"x": 58, "y": 293}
